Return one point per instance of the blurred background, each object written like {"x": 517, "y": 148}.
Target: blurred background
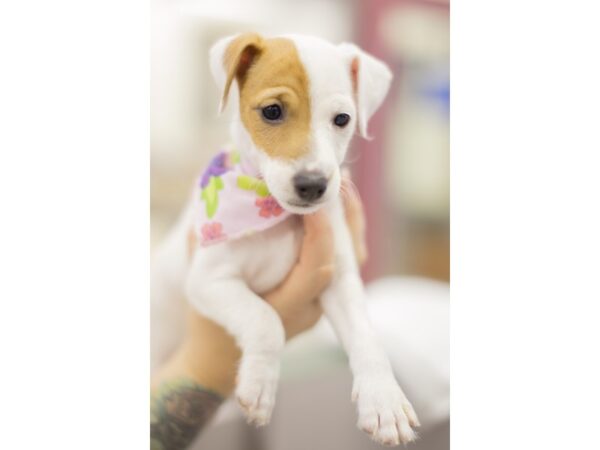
{"x": 402, "y": 175}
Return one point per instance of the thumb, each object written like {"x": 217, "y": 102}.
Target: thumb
{"x": 317, "y": 244}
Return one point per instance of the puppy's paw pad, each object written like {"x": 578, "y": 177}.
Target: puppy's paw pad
{"x": 368, "y": 423}
{"x": 387, "y": 434}
{"x": 256, "y": 394}
{"x": 407, "y": 434}
{"x": 385, "y": 413}
{"x": 413, "y": 420}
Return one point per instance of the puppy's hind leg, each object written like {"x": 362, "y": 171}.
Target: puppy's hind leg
{"x": 167, "y": 312}
{"x": 167, "y": 304}
{"x": 258, "y": 331}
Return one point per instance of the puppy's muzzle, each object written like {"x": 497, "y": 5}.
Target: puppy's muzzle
{"x": 310, "y": 186}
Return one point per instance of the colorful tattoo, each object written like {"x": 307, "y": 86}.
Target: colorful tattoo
{"x": 179, "y": 410}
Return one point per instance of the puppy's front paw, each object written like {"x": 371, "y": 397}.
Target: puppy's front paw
{"x": 384, "y": 412}
{"x": 256, "y": 388}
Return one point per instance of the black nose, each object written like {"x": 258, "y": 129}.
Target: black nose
{"x": 310, "y": 186}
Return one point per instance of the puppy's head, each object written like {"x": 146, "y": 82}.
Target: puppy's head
{"x": 299, "y": 100}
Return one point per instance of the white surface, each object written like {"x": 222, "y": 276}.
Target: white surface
{"x": 411, "y": 317}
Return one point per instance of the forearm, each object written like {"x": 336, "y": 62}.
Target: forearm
{"x": 189, "y": 388}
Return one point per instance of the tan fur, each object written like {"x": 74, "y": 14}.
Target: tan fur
{"x": 269, "y": 71}
{"x": 354, "y": 67}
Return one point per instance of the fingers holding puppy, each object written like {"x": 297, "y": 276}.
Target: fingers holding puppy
{"x": 355, "y": 218}
{"x": 317, "y": 257}
{"x": 296, "y": 299}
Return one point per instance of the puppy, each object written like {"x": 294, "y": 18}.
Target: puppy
{"x": 297, "y": 101}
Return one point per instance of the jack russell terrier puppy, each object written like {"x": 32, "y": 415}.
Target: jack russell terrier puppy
{"x": 297, "y": 101}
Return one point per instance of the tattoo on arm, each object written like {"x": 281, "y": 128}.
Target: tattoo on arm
{"x": 179, "y": 410}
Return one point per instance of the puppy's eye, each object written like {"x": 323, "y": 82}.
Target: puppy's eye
{"x": 272, "y": 113}
{"x": 341, "y": 120}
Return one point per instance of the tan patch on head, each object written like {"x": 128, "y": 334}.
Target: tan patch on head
{"x": 269, "y": 71}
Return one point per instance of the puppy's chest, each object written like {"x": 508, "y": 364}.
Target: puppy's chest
{"x": 267, "y": 257}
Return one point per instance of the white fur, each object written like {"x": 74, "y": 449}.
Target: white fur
{"x": 224, "y": 282}
{"x": 374, "y": 79}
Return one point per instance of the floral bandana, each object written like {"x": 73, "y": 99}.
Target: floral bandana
{"x": 232, "y": 202}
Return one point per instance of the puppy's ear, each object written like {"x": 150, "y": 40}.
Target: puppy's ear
{"x": 371, "y": 80}
{"x": 231, "y": 58}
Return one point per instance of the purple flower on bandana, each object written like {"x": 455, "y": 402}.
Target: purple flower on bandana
{"x": 268, "y": 207}
{"x": 218, "y": 166}
{"x": 212, "y": 231}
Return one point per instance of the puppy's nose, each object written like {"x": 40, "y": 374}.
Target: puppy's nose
{"x": 310, "y": 186}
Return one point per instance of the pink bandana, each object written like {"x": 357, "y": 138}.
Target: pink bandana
{"x": 233, "y": 203}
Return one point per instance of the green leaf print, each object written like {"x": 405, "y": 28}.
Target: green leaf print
{"x": 249, "y": 183}
{"x": 234, "y": 158}
{"x": 210, "y": 195}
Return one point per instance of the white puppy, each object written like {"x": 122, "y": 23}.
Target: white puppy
{"x": 297, "y": 101}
